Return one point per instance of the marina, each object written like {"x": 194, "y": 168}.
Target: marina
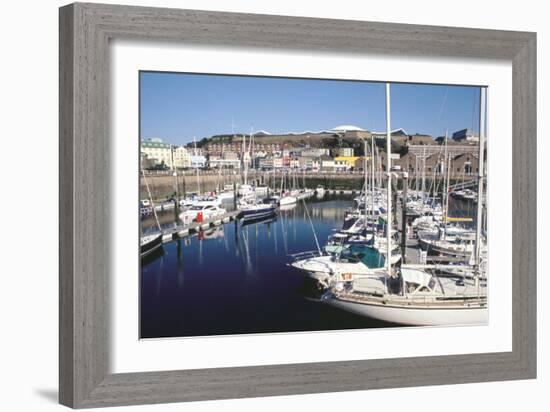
{"x": 315, "y": 242}
{"x": 180, "y": 281}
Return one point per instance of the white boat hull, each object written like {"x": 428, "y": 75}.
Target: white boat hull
{"x": 226, "y": 196}
{"x": 412, "y": 316}
{"x": 324, "y": 268}
{"x": 287, "y": 200}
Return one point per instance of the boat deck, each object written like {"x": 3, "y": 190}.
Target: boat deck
{"x": 413, "y": 251}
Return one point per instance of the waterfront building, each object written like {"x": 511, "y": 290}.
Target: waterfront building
{"x": 420, "y": 139}
{"x": 315, "y": 152}
{"x": 341, "y": 165}
{"x": 349, "y": 161}
{"x": 181, "y": 157}
{"x": 265, "y": 163}
{"x": 157, "y": 151}
{"x": 461, "y": 164}
{"x": 294, "y": 163}
{"x": 349, "y": 131}
{"x": 327, "y": 163}
{"x": 146, "y": 162}
{"x": 345, "y": 151}
{"x": 286, "y": 159}
{"x": 229, "y": 154}
{"x": 309, "y": 163}
{"x": 453, "y": 148}
{"x": 398, "y": 136}
{"x": 315, "y": 165}
{"x": 278, "y": 162}
{"x": 198, "y": 161}
{"x": 465, "y": 164}
{"x": 466, "y": 135}
{"x": 361, "y": 161}
{"x": 215, "y": 162}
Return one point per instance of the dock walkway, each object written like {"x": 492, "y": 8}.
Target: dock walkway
{"x": 181, "y": 231}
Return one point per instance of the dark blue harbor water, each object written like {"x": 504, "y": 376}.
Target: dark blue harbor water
{"x": 235, "y": 279}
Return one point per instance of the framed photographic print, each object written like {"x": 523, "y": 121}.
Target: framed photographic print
{"x": 257, "y": 205}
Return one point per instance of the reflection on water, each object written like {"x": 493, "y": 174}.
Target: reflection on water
{"x": 234, "y": 279}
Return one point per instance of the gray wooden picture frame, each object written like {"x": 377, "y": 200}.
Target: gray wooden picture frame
{"x": 85, "y": 32}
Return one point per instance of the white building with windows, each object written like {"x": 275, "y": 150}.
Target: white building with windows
{"x": 198, "y": 161}
{"x": 345, "y": 151}
{"x": 278, "y": 163}
{"x": 219, "y": 162}
{"x": 157, "y": 151}
{"x": 181, "y": 157}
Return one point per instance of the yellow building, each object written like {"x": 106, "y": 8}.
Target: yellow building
{"x": 349, "y": 161}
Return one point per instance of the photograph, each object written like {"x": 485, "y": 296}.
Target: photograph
{"x": 284, "y": 205}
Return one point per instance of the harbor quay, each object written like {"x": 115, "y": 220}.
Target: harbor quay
{"x": 162, "y": 184}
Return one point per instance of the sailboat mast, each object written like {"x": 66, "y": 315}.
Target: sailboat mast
{"x": 251, "y": 148}
{"x": 197, "y": 167}
{"x": 372, "y": 184}
{"x": 244, "y": 160}
{"x": 423, "y": 176}
{"x": 388, "y": 170}
{"x": 481, "y": 173}
{"x": 446, "y": 186}
{"x": 365, "y": 170}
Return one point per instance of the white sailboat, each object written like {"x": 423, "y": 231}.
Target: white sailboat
{"x": 426, "y": 300}
{"x": 249, "y": 206}
{"x": 418, "y": 296}
{"x": 287, "y": 197}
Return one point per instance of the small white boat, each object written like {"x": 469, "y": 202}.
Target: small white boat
{"x": 201, "y": 211}
{"x": 457, "y": 246}
{"x": 287, "y": 200}
{"x": 226, "y": 195}
{"x": 202, "y": 200}
{"x": 320, "y": 190}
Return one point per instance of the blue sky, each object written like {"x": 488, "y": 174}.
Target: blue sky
{"x": 176, "y": 107}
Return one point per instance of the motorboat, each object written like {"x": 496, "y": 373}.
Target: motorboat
{"x": 252, "y": 209}
{"x": 328, "y": 268}
{"x": 201, "y": 211}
